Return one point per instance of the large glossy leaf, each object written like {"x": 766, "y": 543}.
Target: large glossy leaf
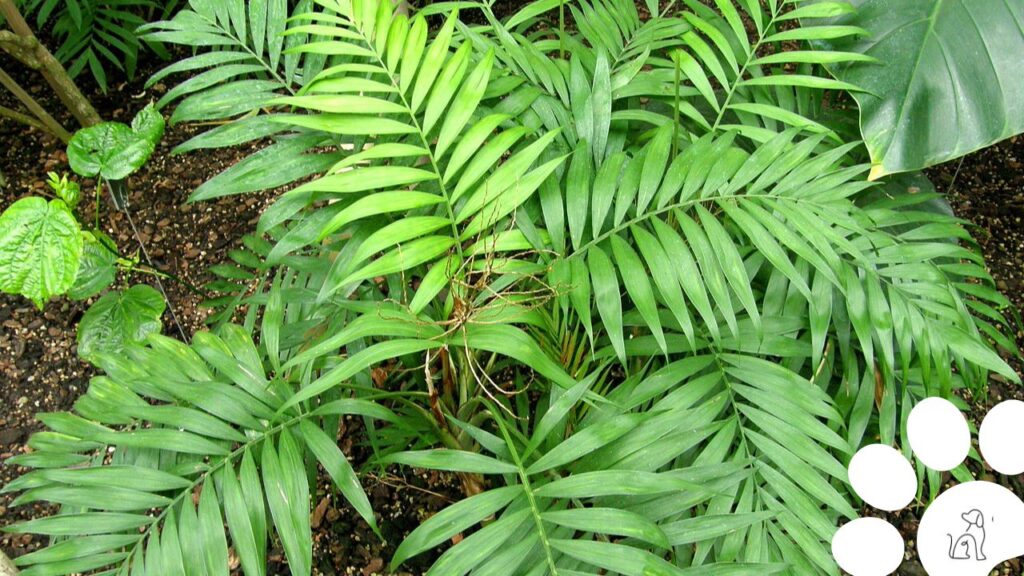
{"x": 119, "y": 319}
{"x": 40, "y": 249}
{"x": 112, "y": 150}
{"x": 947, "y": 82}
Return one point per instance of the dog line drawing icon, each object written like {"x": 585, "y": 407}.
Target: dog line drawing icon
{"x": 970, "y": 544}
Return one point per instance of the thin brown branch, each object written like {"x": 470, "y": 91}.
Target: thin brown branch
{"x": 21, "y": 118}
{"x": 51, "y": 69}
{"x": 51, "y": 125}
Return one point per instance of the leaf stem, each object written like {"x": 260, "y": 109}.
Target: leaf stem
{"x": 286, "y": 84}
{"x": 524, "y": 478}
{"x": 371, "y": 46}
{"x": 561, "y": 29}
{"x": 675, "y": 107}
{"x": 96, "y": 210}
{"x": 201, "y": 479}
{"x": 750, "y": 58}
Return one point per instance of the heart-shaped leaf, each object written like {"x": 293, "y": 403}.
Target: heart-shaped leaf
{"x": 947, "y": 80}
{"x": 148, "y": 124}
{"x": 99, "y": 266}
{"x": 109, "y": 150}
{"x": 119, "y": 319}
{"x": 40, "y": 249}
{"x": 113, "y": 150}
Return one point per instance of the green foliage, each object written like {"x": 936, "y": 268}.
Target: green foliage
{"x": 214, "y": 415}
{"x": 119, "y": 319}
{"x": 40, "y": 248}
{"x": 937, "y": 60}
{"x": 98, "y": 268}
{"x": 45, "y": 250}
{"x": 628, "y": 283}
{"x": 112, "y": 150}
{"x": 755, "y": 86}
{"x": 67, "y": 190}
{"x": 246, "y": 66}
{"x": 607, "y": 479}
{"x": 96, "y": 34}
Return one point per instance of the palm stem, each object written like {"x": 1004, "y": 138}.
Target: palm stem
{"x": 534, "y": 509}
{"x": 37, "y": 57}
{"x": 751, "y": 56}
{"x": 51, "y": 125}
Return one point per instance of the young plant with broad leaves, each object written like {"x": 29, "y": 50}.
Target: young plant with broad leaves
{"x": 52, "y": 247}
{"x": 625, "y": 279}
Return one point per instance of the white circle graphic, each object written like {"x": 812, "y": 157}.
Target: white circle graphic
{"x": 1000, "y": 437}
{"x": 881, "y": 541}
{"x": 938, "y": 433}
{"x": 883, "y": 477}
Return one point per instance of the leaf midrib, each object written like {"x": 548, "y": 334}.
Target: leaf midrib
{"x": 372, "y": 47}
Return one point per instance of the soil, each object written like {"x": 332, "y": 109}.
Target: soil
{"x": 40, "y": 372}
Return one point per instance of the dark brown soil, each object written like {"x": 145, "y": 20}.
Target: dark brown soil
{"x": 38, "y": 364}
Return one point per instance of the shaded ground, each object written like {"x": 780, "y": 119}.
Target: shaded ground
{"x": 38, "y": 365}
{"x": 39, "y": 371}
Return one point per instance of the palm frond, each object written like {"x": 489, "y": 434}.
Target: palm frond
{"x": 242, "y": 63}
{"x": 704, "y": 457}
{"x": 748, "y": 67}
{"x": 171, "y": 444}
{"x": 629, "y": 275}
{"x": 94, "y": 36}
{"x": 711, "y": 237}
{"x": 423, "y": 147}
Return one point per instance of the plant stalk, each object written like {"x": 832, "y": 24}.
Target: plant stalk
{"x": 34, "y": 55}
{"x": 47, "y": 122}
{"x": 675, "y": 107}
{"x": 561, "y": 30}
{"x": 22, "y": 118}
{"x": 152, "y": 270}
{"x": 159, "y": 283}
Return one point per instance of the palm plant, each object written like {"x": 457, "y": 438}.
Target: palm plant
{"x": 627, "y": 282}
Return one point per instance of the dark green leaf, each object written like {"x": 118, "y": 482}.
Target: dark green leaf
{"x": 120, "y": 319}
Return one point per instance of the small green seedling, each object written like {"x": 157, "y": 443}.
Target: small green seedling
{"x": 46, "y": 249}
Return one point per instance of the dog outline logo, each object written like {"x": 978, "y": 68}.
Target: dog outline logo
{"x": 971, "y": 543}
